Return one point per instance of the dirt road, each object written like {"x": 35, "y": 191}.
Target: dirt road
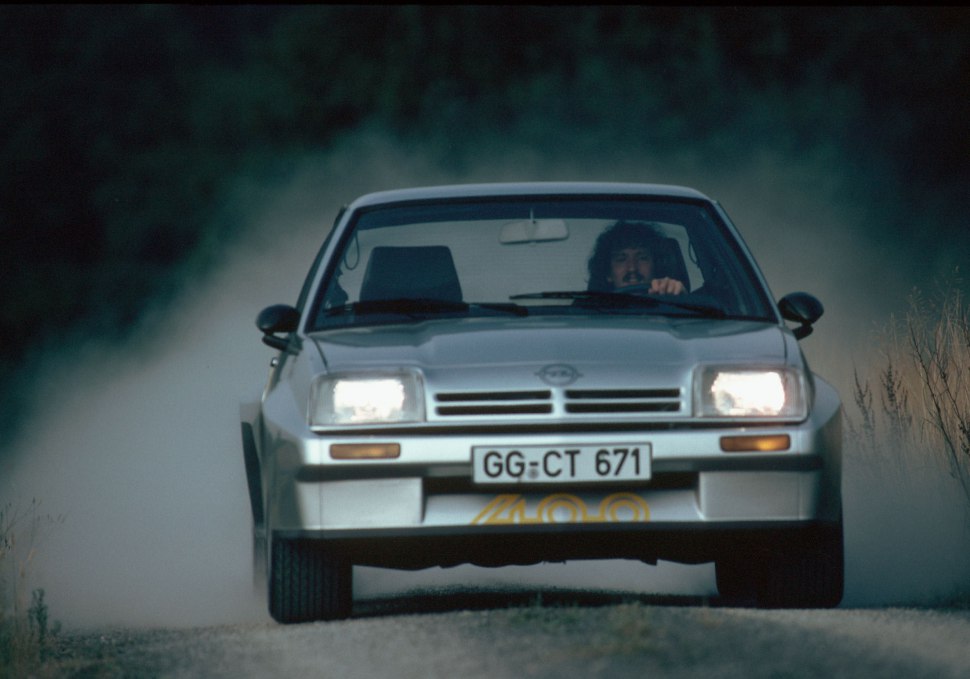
{"x": 552, "y": 634}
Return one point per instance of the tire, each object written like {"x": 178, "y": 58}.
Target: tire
{"x": 259, "y": 560}
{"x": 808, "y": 573}
{"x": 307, "y": 583}
{"x": 738, "y": 580}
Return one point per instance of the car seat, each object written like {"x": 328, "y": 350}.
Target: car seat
{"x": 423, "y": 272}
{"x": 668, "y": 261}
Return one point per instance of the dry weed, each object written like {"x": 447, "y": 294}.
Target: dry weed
{"x": 25, "y": 631}
{"x": 923, "y": 387}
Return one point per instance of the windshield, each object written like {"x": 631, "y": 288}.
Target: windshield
{"x": 528, "y": 256}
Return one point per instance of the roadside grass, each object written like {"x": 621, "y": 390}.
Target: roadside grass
{"x": 26, "y": 631}
{"x": 913, "y": 418}
{"x": 923, "y": 388}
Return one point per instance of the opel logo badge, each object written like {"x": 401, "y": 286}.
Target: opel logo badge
{"x": 559, "y": 375}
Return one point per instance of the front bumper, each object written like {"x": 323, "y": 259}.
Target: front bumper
{"x": 423, "y": 509}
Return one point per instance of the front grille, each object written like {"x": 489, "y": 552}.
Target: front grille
{"x": 574, "y": 402}
{"x": 493, "y": 396}
{"x": 494, "y": 403}
{"x": 517, "y": 409}
{"x": 622, "y": 401}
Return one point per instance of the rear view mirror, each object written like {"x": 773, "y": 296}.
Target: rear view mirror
{"x": 534, "y": 231}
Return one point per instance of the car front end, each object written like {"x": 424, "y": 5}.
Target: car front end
{"x": 417, "y": 436}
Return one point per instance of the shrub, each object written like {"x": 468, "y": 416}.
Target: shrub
{"x": 25, "y": 632}
{"x": 924, "y": 387}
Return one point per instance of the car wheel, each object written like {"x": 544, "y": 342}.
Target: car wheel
{"x": 808, "y": 573}
{"x": 308, "y": 583}
{"x": 259, "y": 559}
{"x": 738, "y": 580}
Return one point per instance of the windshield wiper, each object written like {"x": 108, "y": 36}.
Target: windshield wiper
{"x": 415, "y": 307}
{"x": 605, "y": 298}
{"x": 503, "y": 307}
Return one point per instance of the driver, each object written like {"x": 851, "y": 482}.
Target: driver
{"x": 623, "y": 261}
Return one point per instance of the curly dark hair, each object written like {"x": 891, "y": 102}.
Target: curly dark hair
{"x": 621, "y": 235}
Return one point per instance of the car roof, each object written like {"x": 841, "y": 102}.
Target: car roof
{"x": 526, "y": 189}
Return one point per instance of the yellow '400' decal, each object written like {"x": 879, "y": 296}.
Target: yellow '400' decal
{"x": 563, "y": 508}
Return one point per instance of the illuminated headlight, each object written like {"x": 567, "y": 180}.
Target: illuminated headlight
{"x": 730, "y": 392}
{"x": 371, "y": 399}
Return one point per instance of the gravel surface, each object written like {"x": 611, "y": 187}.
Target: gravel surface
{"x": 430, "y": 636}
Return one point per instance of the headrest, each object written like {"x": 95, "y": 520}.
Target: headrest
{"x": 425, "y": 272}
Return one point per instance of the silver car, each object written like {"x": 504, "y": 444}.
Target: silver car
{"x": 514, "y": 373}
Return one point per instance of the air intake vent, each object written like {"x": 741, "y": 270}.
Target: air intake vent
{"x": 494, "y": 403}
{"x": 622, "y": 401}
{"x": 576, "y": 402}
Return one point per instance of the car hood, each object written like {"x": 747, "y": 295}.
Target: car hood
{"x": 484, "y": 353}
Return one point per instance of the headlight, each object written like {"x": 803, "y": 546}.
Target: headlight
{"x": 732, "y": 392}
{"x": 370, "y": 399}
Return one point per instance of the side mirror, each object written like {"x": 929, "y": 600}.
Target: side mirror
{"x": 802, "y": 308}
{"x": 279, "y": 318}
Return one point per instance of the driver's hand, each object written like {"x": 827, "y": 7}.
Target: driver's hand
{"x": 666, "y": 286}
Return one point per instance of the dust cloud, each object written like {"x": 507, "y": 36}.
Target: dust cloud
{"x": 138, "y": 446}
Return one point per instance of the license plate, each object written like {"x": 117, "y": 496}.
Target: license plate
{"x": 541, "y": 464}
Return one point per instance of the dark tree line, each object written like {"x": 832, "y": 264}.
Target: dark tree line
{"x": 122, "y": 126}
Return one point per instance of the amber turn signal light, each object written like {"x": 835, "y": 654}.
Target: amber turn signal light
{"x": 365, "y": 451}
{"x": 756, "y": 443}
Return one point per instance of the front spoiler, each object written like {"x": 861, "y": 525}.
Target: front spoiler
{"x": 525, "y": 545}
